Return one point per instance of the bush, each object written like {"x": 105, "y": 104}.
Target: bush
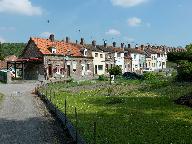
{"x": 102, "y": 78}
{"x": 150, "y": 76}
{"x": 116, "y": 70}
{"x": 184, "y": 71}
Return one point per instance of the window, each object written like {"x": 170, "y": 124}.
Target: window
{"x": 100, "y": 67}
{"x": 74, "y": 65}
{"x": 118, "y": 55}
{"x": 149, "y": 64}
{"x": 87, "y": 66}
{"x": 101, "y": 55}
{"x": 85, "y": 53}
{"x": 96, "y": 54}
{"x": 107, "y": 67}
{"x": 134, "y": 56}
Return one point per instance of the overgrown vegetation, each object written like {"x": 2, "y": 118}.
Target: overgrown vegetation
{"x": 7, "y": 49}
{"x": 184, "y": 63}
{"x": 136, "y": 112}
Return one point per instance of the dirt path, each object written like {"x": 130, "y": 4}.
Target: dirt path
{"x": 24, "y": 118}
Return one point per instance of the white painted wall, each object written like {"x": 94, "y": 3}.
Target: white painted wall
{"x": 98, "y": 60}
{"x": 119, "y": 60}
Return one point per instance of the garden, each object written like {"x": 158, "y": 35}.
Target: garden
{"x": 128, "y": 111}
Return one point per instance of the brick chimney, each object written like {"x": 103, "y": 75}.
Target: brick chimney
{"x": 136, "y": 46}
{"x": 82, "y": 41}
{"x": 67, "y": 39}
{"x": 94, "y": 43}
{"x": 105, "y": 44}
{"x": 52, "y": 37}
{"x": 129, "y": 45}
{"x": 122, "y": 45}
{"x": 114, "y": 44}
{"x": 142, "y": 47}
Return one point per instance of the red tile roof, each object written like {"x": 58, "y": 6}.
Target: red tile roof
{"x": 62, "y": 48}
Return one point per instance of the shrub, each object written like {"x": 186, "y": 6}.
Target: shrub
{"x": 150, "y": 76}
{"x": 184, "y": 71}
{"x": 116, "y": 70}
{"x": 102, "y": 78}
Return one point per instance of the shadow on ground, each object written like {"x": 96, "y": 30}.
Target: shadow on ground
{"x": 32, "y": 131}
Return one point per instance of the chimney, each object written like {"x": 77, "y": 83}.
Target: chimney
{"x": 67, "y": 39}
{"x": 114, "y": 44}
{"x": 122, "y": 45}
{"x": 105, "y": 44}
{"x": 136, "y": 46}
{"x": 94, "y": 43}
{"x": 149, "y": 46}
{"x": 76, "y": 41}
{"x": 142, "y": 47}
{"x": 82, "y": 41}
{"x": 51, "y": 37}
{"x": 129, "y": 45}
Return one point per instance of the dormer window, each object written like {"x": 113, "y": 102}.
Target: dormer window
{"x": 53, "y": 50}
{"x": 85, "y": 52}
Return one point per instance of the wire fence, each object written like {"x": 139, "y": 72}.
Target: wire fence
{"x": 61, "y": 111}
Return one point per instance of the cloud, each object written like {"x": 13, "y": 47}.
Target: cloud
{"x": 128, "y": 39}
{"x": 127, "y": 3}
{"x": 7, "y": 28}
{"x": 134, "y": 21}
{"x": 2, "y": 40}
{"x": 23, "y": 7}
{"x": 45, "y": 34}
{"x": 113, "y": 32}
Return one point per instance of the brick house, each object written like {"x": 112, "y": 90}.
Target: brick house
{"x": 56, "y": 59}
{"x": 3, "y": 64}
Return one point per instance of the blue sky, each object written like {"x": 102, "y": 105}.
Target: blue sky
{"x": 166, "y": 22}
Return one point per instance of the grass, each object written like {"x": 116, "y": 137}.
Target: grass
{"x": 135, "y": 111}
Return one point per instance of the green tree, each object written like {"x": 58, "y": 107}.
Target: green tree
{"x": 184, "y": 63}
{"x": 189, "y": 48}
{"x": 116, "y": 70}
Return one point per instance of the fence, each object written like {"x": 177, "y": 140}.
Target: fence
{"x": 62, "y": 116}
{"x": 5, "y": 76}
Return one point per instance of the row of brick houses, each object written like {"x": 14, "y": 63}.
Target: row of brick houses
{"x": 49, "y": 58}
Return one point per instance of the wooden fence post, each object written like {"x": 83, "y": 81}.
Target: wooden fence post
{"x": 94, "y": 133}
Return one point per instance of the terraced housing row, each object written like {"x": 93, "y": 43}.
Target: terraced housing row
{"x": 49, "y": 58}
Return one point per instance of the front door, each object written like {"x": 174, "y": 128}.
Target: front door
{"x": 95, "y": 69}
{"x": 68, "y": 70}
{"x": 50, "y": 70}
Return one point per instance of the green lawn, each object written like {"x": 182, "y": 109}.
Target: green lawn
{"x": 135, "y": 112}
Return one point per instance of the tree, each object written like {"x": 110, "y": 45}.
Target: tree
{"x": 189, "y": 48}
{"x": 116, "y": 70}
{"x": 184, "y": 63}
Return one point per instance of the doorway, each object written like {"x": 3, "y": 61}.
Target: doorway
{"x": 95, "y": 69}
{"x": 68, "y": 71}
{"x": 50, "y": 72}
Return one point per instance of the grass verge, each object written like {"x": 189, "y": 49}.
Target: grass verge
{"x": 127, "y": 112}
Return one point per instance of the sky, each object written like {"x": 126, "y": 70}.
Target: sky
{"x": 157, "y": 22}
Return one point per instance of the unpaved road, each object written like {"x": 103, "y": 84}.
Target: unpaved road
{"x": 24, "y": 119}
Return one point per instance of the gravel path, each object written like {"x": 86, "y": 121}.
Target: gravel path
{"x": 24, "y": 119}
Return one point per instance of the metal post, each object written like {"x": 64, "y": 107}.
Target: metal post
{"x": 94, "y": 133}
{"x": 76, "y": 124}
{"x": 46, "y": 92}
{"x": 65, "y": 112}
{"x": 50, "y": 94}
